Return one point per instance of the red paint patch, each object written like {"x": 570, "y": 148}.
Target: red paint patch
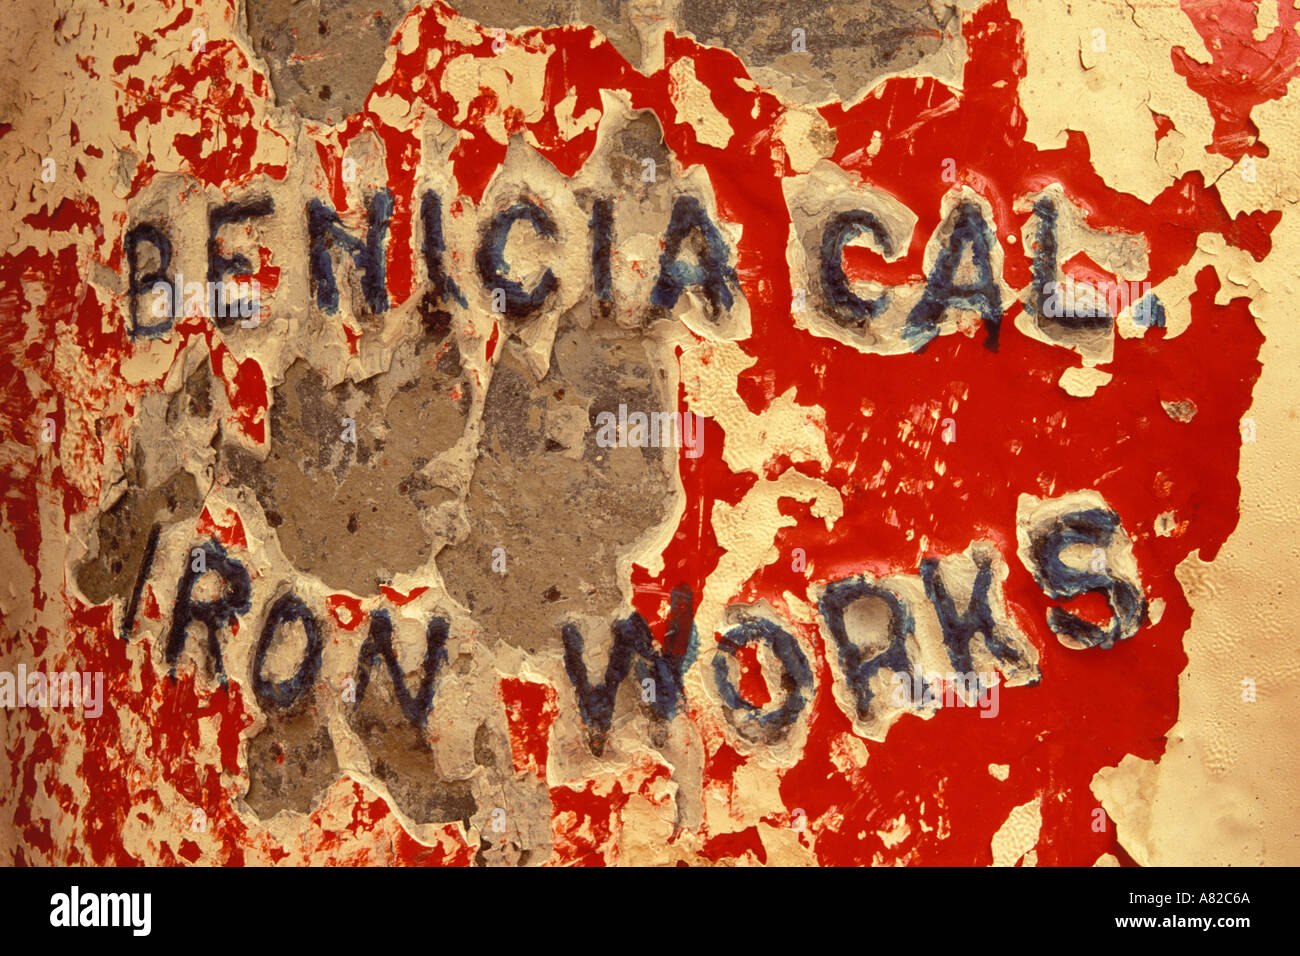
{"x": 398, "y": 598}
{"x": 353, "y": 338}
{"x": 530, "y": 712}
{"x": 346, "y": 610}
{"x": 230, "y": 531}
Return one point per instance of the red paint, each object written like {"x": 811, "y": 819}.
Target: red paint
{"x": 230, "y": 531}
{"x": 736, "y": 845}
{"x": 530, "y": 712}
{"x": 1243, "y": 72}
{"x": 353, "y": 337}
{"x": 398, "y": 598}
{"x": 346, "y": 610}
{"x": 751, "y": 685}
{"x": 582, "y": 822}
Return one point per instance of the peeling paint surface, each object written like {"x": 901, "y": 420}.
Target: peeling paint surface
{"x": 581, "y": 433}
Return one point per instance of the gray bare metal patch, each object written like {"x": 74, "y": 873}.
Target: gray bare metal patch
{"x": 403, "y": 761}
{"x": 613, "y": 18}
{"x": 157, "y": 491}
{"x": 123, "y": 533}
{"x": 323, "y": 57}
{"x": 845, "y": 45}
{"x": 291, "y": 762}
{"x": 351, "y": 512}
{"x": 563, "y": 508}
